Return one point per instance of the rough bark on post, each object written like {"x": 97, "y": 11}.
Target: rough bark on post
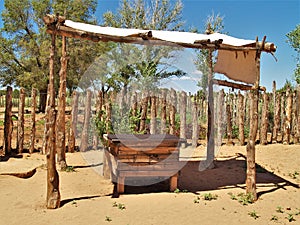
{"x": 229, "y": 124}
{"x": 220, "y": 117}
{"x": 241, "y": 117}
{"x": 46, "y": 125}
{"x": 264, "y": 120}
{"x": 195, "y": 134}
{"x": 8, "y": 123}
{"x": 99, "y": 104}
{"x": 210, "y": 152}
{"x": 153, "y": 114}
{"x": 73, "y": 122}
{"x": 33, "y": 125}
{"x": 87, "y": 116}
{"x": 61, "y": 112}
{"x": 134, "y": 110}
{"x": 108, "y": 116}
{"x": 163, "y": 111}
{"x": 144, "y": 109}
{"x": 282, "y": 116}
{"x": 182, "y": 111}
{"x": 53, "y": 193}
{"x": 20, "y": 131}
{"x": 288, "y": 120}
{"x": 297, "y": 139}
{"x": 172, "y": 111}
{"x": 276, "y": 126}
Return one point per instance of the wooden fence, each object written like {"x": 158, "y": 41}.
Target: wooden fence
{"x": 89, "y": 115}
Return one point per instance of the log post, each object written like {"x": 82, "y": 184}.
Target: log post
{"x": 53, "y": 193}
{"x": 99, "y": 104}
{"x": 33, "y": 125}
{"x": 210, "y": 152}
{"x": 288, "y": 120}
{"x": 241, "y": 118}
{"x": 276, "y": 126}
{"x": 8, "y": 123}
{"x": 297, "y": 140}
{"x": 61, "y": 112}
{"x": 172, "y": 111}
{"x": 144, "y": 109}
{"x": 195, "y": 135}
{"x": 20, "y": 131}
{"x": 163, "y": 128}
{"x": 134, "y": 110}
{"x": 282, "y": 116}
{"x": 73, "y": 122}
{"x": 251, "y": 165}
{"x": 264, "y": 120}
{"x": 153, "y": 114}
{"x": 87, "y": 116}
{"x": 229, "y": 124}
{"x": 220, "y": 117}
{"x": 182, "y": 111}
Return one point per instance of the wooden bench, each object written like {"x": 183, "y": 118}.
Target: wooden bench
{"x": 142, "y": 156}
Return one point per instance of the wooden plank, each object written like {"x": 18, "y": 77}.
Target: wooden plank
{"x": 173, "y": 182}
{"x": 147, "y": 167}
{"x": 148, "y": 173}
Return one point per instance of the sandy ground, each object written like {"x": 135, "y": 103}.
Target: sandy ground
{"x": 87, "y": 196}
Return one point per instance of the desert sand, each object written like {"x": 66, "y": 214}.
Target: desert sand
{"x": 86, "y": 197}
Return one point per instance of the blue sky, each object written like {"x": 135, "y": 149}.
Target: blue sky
{"x": 244, "y": 19}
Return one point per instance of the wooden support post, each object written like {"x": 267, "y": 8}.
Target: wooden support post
{"x": 220, "y": 117}
{"x": 73, "y": 123}
{"x": 195, "y": 135}
{"x": 20, "y": 136}
{"x": 276, "y": 102}
{"x": 53, "y": 193}
{"x": 144, "y": 109}
{"x": 61, "y": 112}
{"x": 172, "y": 111}
{"x": 282, "y": 116}
{"x": 87, "y": 116}
{"x": 163, "y": 127}
{"x": 297, "y": 140}
{"x": 264, "y": 120}
{"x": 288, "y": 120}
{"x": 241, "y": 118}
{"x": 153, "y": 114}
{"x": 229, "y": 124}
{"x": 183, "y": 103}
{"x": 173, "y": 182}
{"x": 33, "y": 125}
{"x": 134, "y": 109}
{"x": 8, "y": 123}
{"x": 210, "y": 152}
{"x": 99, "y": 104}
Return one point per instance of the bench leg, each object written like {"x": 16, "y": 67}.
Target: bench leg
{"x": 121, "y": 184}
{"x": 173, "y": 182}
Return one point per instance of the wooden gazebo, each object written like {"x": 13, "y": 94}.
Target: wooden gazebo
{"x": 238, "y": 59}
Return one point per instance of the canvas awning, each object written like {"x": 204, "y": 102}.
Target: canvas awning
{"x": 236, "y": 57}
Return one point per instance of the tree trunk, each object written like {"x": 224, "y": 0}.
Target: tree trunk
{"x": 87, "y": 116}
{"x": 20, "y": 136}
{"x": 8, "y": 123}
{"x": 241, "y": 117}
{"x": 73, "y": 122}
{"x": 264, "y": 120}
{"x": 61, "y": 113}
{"x": 53, "y": 193}
{"x": 33, "y": 127}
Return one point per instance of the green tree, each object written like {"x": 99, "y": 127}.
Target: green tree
{"x": 24, "y": 43}
{"x": 131, "y": 62}
{"x": 294, "y": 41}
{"x": 214, "y": 24}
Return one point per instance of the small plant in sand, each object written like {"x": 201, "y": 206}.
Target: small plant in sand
{"x": 245, "y": 199}
{"x": 69, "y": 169}
{"x": 119, "y": 205}
{"x": 197, "y": 200}
{"x": 108, "y": 219}
{"x": 209, "y": 197}
{"x": 279, "y": 209}
{"x": 274, "y": 218}
{"x": 294, "y": 175}
{"x": 232, "y": 196}
{"x": 177, "y": 191}
{"x": 253, "y": 214}
{"x": 290, "y": 217}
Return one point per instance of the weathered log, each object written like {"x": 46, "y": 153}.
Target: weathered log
{"x": 33, "y": 124}
{"x": 61, "y": 114}
{"x": 53, "y": 193}
{"x": 241, "y": 118}
{"x": 195, "y": 134}
{"x": 297, "y": 141}
{"x": 73, "y": 122}
{"x": 288, "y": 121}
{"x": 8, "y": 123}
{"x": 20, "y": 131}
{"x": 152, "y": 114}
{"x": 172, "y": 111}
{"x": 264, "y": 120}
{"x": 86, "y": 125}
{"x": 163, "y": 128}
{"x": 242, "y": 87}
{"x": 182, "y": 111}
{"x": 229, "y": 124}
{"x": 282, "y": 116}
{"x": 99, "y": 104}
{"x": 144, "y": 109}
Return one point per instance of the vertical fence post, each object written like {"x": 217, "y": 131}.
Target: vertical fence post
{"x": 20, "y": 135}
{"x": 8, "y": 123}
{"x": 33, "y": 125}
{"x": 87, "y": 116}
